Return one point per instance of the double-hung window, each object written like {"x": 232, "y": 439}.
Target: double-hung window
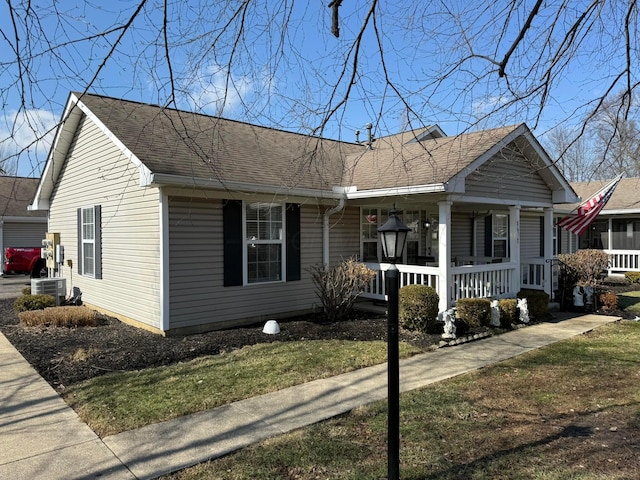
{"x": 500, "y": 235}
{"x": 264, "y": 242}
{"x": 89, "y": 241}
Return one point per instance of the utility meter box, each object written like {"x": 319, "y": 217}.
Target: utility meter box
{"x": 50, "y": 245}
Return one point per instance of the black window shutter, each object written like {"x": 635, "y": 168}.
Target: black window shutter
{"x": 542, "y": 236}
{"x": 97, "y": 242}
{"x": 293, "y": 242}
{"x": 558, "y": 239}
{"x": 488, "y": 236}
{"x": 79, "y": 266}
{"x": 232, "y": 243}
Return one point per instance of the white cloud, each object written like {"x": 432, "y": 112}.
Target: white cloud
{"x": 213, "y": 91}
{"x": 26, "y": 135}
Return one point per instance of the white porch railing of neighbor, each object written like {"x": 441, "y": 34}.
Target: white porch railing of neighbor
{"x": 623, "y": 261}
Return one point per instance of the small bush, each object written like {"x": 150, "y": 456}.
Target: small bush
{"x": 632, "y": 277}
{"x": 537, "y": 301}
{"x": 508, "y": 311}
{"x": 609, "y": 301}
{"x": 33, "y": 302}
{"x": 473, "y": 312}
{"x": 339, "y": 286}
{"x": 586, "y": 266}
{"x": 26, "y": 291}
{"x": 59, "y": 317}
{"x": 418, "y": 308}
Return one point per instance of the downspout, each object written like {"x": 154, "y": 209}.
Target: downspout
{"x": 325, "y": 228}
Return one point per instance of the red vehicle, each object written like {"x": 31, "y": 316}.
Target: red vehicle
{"x": 24, "y": 260}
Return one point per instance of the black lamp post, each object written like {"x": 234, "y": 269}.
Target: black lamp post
{"x": 394, "y": 236}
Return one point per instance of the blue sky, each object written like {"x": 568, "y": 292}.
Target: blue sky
{"x": 421, "y": 42}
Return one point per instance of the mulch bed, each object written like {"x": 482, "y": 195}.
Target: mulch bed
{"x": 60, "y": 354}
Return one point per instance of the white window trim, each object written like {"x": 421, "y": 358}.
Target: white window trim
{"x": 249, "y": 241}
{"x": 86, "y": 241}
{"x": 494, "y": 237}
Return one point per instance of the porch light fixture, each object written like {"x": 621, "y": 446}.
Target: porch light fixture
{"x": 394, "y": 236}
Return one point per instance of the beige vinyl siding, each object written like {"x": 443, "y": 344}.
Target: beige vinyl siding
{"x": 96, "y": 173}
{"x": 344, "y": 235}
{"x": 529, "y": 236}
{"x": 21, "y": 234}
{"x": 509, "y": 179}
{"x": 197, "y": 295}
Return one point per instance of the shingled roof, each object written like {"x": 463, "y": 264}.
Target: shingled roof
{"x": 626, "y": 196}
{"x": 15, "y": 195}
{"x": 173, "y": 147}
{"x": 399, "y": 160}
{"x": 174, "y": 142}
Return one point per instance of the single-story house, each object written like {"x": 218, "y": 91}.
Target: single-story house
{"x": 616, "y": 230}
{"x": 180, "y": 222}
{"x": 20, "y": 227}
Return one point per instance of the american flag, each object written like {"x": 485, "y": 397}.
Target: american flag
{"x": 588, "y": 211}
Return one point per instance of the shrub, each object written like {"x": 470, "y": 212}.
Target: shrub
{"x": 33, "y": 302}
{"x": 339, "y": 286}
{"x": 26, "y": 291}
{"x": 609, "y": 301}
{"x": 632, "y": 277}
{"x": 418, "y": 308}
{"x": 59, "y": 317}
{"x": 508, "y": 311}
{"x": 587, "y": 266}
{"x": 473, "y": 312}
{"x": 537, "y": 301}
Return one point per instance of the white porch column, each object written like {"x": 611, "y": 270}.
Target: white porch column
{"x": 548, "y": 250}
{"x": 444, "y": 254}
{"x": 514, "y": 244}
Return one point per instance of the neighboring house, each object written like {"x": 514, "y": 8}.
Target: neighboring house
{"x": 20, "y": 227}
{"x": 178, "y": 222}
{"x": 616, "y": 230}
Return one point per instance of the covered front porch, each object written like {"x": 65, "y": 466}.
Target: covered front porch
{"x": 462, "y": 253}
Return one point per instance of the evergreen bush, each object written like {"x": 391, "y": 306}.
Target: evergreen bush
{"x": 537, "y": 301}
{"x": 33, "y": 302}
{"x": 473, "y": 312}
{"x": 418, "y": 308}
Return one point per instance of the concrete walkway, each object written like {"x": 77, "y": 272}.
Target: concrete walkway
{"x": 42, "y": 438}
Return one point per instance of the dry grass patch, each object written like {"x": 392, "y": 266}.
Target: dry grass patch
{"x": 59, "y": 317}
{"x": 567, "y": 411}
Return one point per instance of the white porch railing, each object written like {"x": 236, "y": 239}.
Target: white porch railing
{"x": 482, "y": 281}
{"x": 468, "y": 281}
{"x": 623, "y": 261}
{"x": 408, "y": 274}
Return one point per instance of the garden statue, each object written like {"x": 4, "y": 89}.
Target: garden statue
{"x": 449, "y": 318}
{"x": 523, "y": 310}
{"x": 578, "y": 296}
{"x": 495, "y": 313}
{"x": 588, "y": 293}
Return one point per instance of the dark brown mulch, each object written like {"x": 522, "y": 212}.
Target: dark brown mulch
{"x": 56, "y": 353}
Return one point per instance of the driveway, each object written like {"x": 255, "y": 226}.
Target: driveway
{"x": 11, "y": 285}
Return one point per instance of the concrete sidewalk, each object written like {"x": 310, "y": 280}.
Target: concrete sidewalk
{"x": 42, "y": 438}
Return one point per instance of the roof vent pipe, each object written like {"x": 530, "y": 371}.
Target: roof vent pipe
{"x": 370, "y": 140}
{"x": 358, "y": 137}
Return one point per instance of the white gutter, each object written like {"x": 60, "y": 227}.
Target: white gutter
{"x": 163, "y": 179}
{"x": 325, "y": 221}
{"x": 394, "y": 191}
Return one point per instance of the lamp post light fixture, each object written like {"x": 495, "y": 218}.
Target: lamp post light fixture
{"x": 394, "y": 236}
